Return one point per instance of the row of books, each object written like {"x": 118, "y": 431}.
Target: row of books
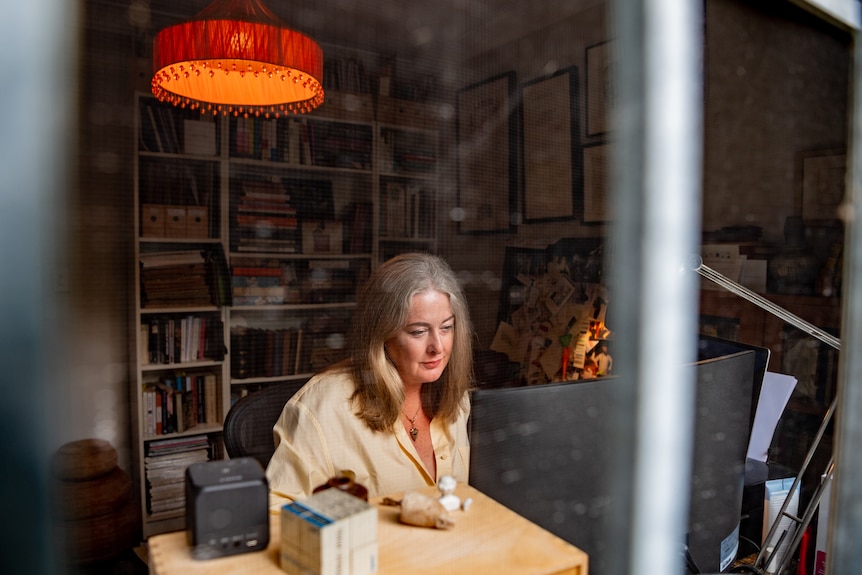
{"x": 408, "y": 152}
{"x": 172, "y": 339}
{"x": 177, "y": 183}
{"x": 260, "y": 352}
{"x": 179, "y": 402}
{"x": 163, "y": 128}
{"x": 279, "y": 282}
{"x": 300, "y": 141}
{"x": 406, "y": 211}
{"x": 184, "y": 278}
{"x": 264, "y": 282}
{"x": 165, "y": 464}
{"x": 347, "y": 75}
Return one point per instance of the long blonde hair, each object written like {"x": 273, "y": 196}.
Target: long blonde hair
{"x": 381, "y": 311}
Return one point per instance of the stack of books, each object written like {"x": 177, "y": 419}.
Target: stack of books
{"x": 165, "y": 466}
{"x": 173, "y": 279}
{"x": 266, "y": 219}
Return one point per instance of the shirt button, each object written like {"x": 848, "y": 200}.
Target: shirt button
{"x": 444, "y": 456}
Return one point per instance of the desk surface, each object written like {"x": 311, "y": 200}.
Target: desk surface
{"x": 487, "y": 538}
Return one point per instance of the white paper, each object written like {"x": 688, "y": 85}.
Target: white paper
{"x": 774, "y": 395}
{"x": 754, "y": 275}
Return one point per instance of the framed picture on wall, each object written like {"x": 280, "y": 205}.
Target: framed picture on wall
{"x": 600, "y": 87}
{"x": 550, "y": 127}
{"x": 486, "y": 128}
{"x": 596, "y": 183}
{"x": 820, "y": 176}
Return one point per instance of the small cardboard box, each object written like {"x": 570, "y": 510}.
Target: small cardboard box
{"x": 197, "y": 222}
{"x": 152, "y": 221}
{"x": 175, "y": 222}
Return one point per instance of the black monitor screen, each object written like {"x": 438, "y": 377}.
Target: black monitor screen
{"x": 711, "y": 347}
{"x": 542, "y": 451}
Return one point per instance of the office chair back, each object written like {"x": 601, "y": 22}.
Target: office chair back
{"x": 248, "y": 425}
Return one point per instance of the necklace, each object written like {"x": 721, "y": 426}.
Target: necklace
{"x": 413, "y": 431}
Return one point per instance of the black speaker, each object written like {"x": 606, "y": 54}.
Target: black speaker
{"x": 226, "y": 507}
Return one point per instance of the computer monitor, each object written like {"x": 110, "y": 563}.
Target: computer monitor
{"x": 542, "y": 451}
{"x": 710, "y": 347}
{"x": 721, "y": 433}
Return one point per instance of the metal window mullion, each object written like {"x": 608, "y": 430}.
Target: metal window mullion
{"x": 655, "y": 190}
{"x": 844, "y": 554}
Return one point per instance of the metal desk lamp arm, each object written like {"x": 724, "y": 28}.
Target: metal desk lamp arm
{"x": 796, "y": 321}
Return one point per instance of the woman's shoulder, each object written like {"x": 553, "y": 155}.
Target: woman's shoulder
{"x": 331, "y": 386}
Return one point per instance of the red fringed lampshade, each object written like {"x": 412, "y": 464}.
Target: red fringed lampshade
{"x": 237, "y": 57}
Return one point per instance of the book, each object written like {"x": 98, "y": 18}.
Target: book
{"x": 176, "y": 258}
{"x": 156, "y": 129}
{"x": 211, "y": 394}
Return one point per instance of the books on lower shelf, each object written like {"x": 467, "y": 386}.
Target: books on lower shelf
{"x": 181, "y": 339}
{"x": 264, "y": 352}
{"x": 165, "y": 466}
{"x": 259, "y": 352}
{"x": 179, "y": 402}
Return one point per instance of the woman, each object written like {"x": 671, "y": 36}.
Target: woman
{"x": 395, "y": 414}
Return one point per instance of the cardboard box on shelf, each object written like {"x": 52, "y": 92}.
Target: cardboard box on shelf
{"x": 175, "y": 222}
{"x": 152, "y": 221}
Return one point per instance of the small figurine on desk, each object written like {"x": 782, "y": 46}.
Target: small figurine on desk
{"x": 448, "y": 499}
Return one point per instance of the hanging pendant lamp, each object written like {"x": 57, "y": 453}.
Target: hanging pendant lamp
{"x": 237, "y": 57}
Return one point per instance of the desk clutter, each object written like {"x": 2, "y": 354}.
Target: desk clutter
{"x": 335, "y": 530}
{"x": 490, "y": 538}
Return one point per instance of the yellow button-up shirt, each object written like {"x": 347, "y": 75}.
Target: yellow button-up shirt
{"x": 318, "y": 436}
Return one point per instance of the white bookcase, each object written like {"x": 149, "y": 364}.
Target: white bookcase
{"x": 290, "y": 215}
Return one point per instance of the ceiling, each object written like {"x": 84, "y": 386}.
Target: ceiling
{"x": 411, "y": 29}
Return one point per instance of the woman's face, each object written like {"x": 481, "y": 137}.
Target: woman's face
{"x": 420, "y": 351}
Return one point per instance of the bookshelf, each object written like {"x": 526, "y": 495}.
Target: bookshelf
{"x": 407, "y": 185}
{"x": 252, "y": 237}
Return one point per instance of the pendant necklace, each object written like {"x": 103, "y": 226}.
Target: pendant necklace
{"x": 413, "y": 431}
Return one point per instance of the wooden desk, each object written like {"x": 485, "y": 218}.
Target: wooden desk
{"x": 487, "y": 538}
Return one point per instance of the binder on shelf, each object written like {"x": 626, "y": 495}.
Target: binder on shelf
{"x": 199, "y": 137}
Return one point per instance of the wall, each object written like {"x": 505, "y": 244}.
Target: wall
{"x": 93, "y": 391}
{"x": 775, "y": 84}
{"x": 771, "y": 91}
{"x": 535, "y": 55}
